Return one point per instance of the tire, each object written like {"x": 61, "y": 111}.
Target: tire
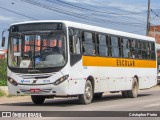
{"x": 134, "y": 91}
{"x": 97, "y": 95}
{"x": 124, "y": 94}
{"x": 37, "y": 99}
{"x": 87, "y": 97}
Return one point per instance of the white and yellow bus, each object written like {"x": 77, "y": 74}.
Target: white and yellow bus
{"x": 62, "y": 58}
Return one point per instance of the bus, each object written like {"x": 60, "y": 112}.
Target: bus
{"x": 54, "y": 58}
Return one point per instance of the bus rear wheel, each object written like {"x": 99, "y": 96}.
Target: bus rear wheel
{"x": 36, "y": 99}
{"x": 87, "y": 97}
{"x": 134, "y": 91}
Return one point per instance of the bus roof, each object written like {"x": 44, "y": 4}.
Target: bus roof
{"x": 93, "y": 28}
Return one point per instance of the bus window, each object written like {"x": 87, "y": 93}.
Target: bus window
{"x": 74, "y": 41}
{"x": 103, "y": 49}
{"x": 126, "y": 50}
{"x": 148, "y": 50}
{"x": 109, "y": 45}
{"x": 144, "y": 50}
{"x": 77, "y": 41}
{"x": 120, "y": 42}
{"x": 88, "y": 44}
{"x": 115, "y": 48}
{"x": 132, "y": 50}
{"x": 153, "y": 51}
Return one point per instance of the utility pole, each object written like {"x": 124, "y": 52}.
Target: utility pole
{"x": 148, "y": 18}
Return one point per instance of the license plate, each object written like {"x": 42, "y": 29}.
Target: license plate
{"x": 34, "y": 90}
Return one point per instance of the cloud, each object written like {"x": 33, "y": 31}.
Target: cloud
{"x": 128, "y": 6}
{"x": 3, "y": 18}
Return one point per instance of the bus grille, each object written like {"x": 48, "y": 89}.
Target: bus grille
{"x": 35, "y": 76}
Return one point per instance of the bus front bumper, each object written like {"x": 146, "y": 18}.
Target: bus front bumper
{"x": 46, "y": 89}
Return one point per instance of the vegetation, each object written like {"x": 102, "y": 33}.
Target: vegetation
{"x": 3, "y": 72}
{"x": 158, "y": 59}
{"x": 1, "y": 93}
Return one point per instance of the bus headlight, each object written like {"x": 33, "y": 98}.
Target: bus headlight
{"x": 13, "y": 82}
{"x": 60, "y": 80}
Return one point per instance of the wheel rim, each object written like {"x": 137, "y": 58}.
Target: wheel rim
{"x": 88, "y": 92}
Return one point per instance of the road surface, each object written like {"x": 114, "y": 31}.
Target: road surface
{"x": 147, "y": 100}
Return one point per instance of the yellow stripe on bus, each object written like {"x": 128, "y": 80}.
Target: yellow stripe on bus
{"x": 117, "y": 62}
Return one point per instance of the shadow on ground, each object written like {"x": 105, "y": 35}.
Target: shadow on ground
{"x": 65, "y": 102}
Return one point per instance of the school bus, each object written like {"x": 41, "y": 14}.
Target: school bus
{"x": 54, "y": 58}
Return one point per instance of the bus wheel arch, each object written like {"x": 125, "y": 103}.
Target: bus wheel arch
{"x": 91, "y": 79}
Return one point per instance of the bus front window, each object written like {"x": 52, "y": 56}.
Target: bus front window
{"x": 37, "y": 51}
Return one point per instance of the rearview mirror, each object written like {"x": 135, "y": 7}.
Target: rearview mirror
{"x": 3, "y": 38}
{"x": 3, "y": 41}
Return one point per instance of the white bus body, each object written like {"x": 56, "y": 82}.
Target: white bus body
{"x": 105, "y": 73}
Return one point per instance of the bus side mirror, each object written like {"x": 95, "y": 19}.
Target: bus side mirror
{"x": 3, "y": 38}
{"x": 3, "y": 41}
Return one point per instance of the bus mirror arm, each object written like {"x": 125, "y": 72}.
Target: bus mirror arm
{"x": 3, "y": 38}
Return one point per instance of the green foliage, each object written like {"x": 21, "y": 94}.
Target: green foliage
{"x": 158, "y": 59}
{"x": 3, "y": 72}
{"x": 1, "y": 93}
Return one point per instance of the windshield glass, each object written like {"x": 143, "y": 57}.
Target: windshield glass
{"x": 37, "y": 50}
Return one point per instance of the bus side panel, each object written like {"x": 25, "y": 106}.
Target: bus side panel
{"x": 147, "y": 78}
{"x": 76, "y": 86}
{"x": 76, "y": 79}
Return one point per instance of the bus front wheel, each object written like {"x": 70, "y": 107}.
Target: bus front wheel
{"x": 37, "y": 99}
{"x": 87, "y": 97}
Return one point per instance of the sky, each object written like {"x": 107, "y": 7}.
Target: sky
{"x": 123, "y": 15}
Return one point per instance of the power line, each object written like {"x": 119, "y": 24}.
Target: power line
{"x": 101, "y": 12}
{"x": 157, "y": 15}
{"x": 57, "y": 9}
{"x": 92, "y": 10}
{"x": 17, "y": 13}
{"x": 104, "y": 4}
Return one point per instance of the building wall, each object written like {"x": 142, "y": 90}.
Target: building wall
{"x": 155, "y": 32}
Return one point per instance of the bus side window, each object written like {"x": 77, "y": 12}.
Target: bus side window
{"x": 77, "y": 45}
{"x": 109, "y": 43}
{"x": 144, "y": 50}
{"x": 126, "y": 48}
{"x": 153, "y": 51}
{"x": 103, "y": 48}
{"x": 115, "y": 47}
{"x": 71, "y": 40}
{"x": 148, "y": 50}
{"x": 120, "y": 44}
{"x": 74, "y": 41}
{"x": 138, "y": 51}
{"x": 133, "y": 48}
{"x": 88, "y": 44}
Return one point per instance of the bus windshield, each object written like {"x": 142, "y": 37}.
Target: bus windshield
{"x": 38, "y": 50}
